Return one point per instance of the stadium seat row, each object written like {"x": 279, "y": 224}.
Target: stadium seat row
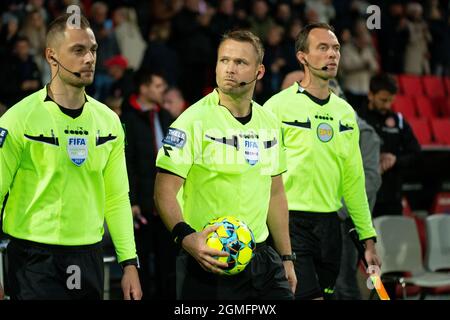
{"x": 431, "y": 132}
{"x": 431, "y": 86}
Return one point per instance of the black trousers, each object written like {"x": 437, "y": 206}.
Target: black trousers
{"x": 48, "y": 272}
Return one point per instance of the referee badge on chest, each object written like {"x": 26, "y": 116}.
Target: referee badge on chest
{"x": 77, "y": 149}
{"x": 251, "y": 151}
{"x": 324, "y": 132}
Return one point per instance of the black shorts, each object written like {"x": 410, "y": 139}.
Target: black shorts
{"x": 316, "y": 240}
{"x": 48, "y": 272}
{"x": 263, "y": 279}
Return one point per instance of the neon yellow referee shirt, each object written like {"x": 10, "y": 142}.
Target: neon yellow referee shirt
{"x": 324, "y": 162}
{"x": 64, "y": 176}
{"x": 228, "y": 166}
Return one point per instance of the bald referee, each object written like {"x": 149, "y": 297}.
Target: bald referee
{"x": 321, "y": 138}
{"x": 62, "y": 162}
{"x": 225, "y": 152}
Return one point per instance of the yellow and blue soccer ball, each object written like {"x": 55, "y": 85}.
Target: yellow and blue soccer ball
{"x": 236, "y": 238}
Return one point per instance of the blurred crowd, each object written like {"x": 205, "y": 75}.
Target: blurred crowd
{"x": 178, "y": 40}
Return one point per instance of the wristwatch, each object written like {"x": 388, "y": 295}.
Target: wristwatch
{"x": 131, "y": 262}
{"x": 289, "y": 257}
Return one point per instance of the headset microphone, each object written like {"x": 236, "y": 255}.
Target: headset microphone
{"x": 76, "y": 74}
{"x": 324, "y": 68}
{"x": 243, "y": 83}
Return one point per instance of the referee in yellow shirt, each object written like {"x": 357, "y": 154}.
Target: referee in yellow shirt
{"x": 62, "y": 161}
{"x": 324, "y": 165}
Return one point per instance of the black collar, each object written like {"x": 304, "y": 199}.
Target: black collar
{"x": 320, "y": 102}
{"x": 245, "y": 119}
{"x": 73, "y": 113}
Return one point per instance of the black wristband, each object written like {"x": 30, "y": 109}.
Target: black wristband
{"x": 131, "y": 262}
{"x": 181, "y": 230}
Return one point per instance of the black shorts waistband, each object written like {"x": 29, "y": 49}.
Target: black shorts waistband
{"x": 55, "y": 247}
{"x": 260, "y": 246}
{"x": 309, "y": 214}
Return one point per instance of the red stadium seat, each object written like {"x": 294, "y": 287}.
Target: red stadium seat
{"x": 441, "y": 129}
{"x": 405, "y": 105}
{"x": 424, "y": 107}
{"x": 441, "y": 203}
{"x": 421, "y": 130}
{"x": 440, "y": 106}
{"x": 447, "y": 85}
{"x": 434, "y": 86}
{"x": 411, "y": 85}
{"x": 445, "y": 107}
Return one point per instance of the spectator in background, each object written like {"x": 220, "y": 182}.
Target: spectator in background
{"x": 260, "y": 20}
{"x": 311, "y": 15}
{"x": 20, "y": 75}
{"x": 393, "y": 38}
{"x": 323, "y": 8}
{"x": 283, "y": 15}
{"x": 174, "y": 102}
{"x": 160, "y": 56}
{"x": 145, "y": 124}
{"x": 274, "y": 61}
{"x": 289, "y": 44}
{"x": 242, "y": 14}
{"x": 192, "y": 41}
{"x": 37, "y": 5}
{"x": 115, "y": 104}
{"x": 399, "y": 147}
{"x": 8, "y": 34}
{"x": 162, "y": 11}
{"x": 129, "y": 38}
{"x": 122, "y": 76}
{"x": 358, "y": 65}
{"x": 298, "y": 8}
{"x": 35, "y": 30}
{"x": 417, "y": 55}
{"x": 107, "y": 47}
{"x": 440, "y": 46}
{"x": 224, "y": 20}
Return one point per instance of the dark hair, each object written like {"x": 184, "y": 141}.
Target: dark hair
{"x": 301, "y": 42}
{"x": 59, "y": 25}
{"x": 20, "y": 39}
{"x": 383, "y": 81}
{"x": 246, "y": 36}
{"x": 145, "y": 76}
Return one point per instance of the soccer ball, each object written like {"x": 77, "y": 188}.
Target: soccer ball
{"x": 236, "y": 238}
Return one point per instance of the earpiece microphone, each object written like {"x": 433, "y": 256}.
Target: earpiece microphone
{"x": 76, "y": 74}
{"x": 243, "y": 83}
{"x": 324, "y": 68}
